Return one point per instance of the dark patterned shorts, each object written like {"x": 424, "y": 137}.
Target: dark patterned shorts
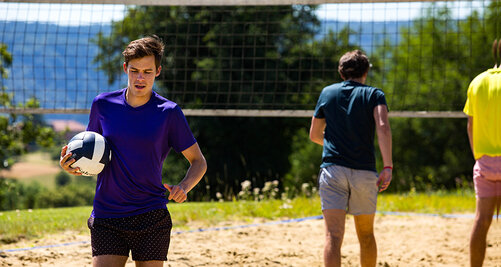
{"x": 146, "y": 236}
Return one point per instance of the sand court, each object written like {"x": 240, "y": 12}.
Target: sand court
{"x": 402, "y": 241}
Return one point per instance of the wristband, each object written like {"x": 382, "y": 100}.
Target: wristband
{"x": 388, "y": 167}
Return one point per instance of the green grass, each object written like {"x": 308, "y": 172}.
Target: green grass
{"x": 212, "y": 213}
{"x": 437, "y": 202}
{"x": 19, "y": 224}
{"x": 15, "y": 225}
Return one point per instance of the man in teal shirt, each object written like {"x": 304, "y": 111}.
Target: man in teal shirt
{"x": 345, "y": 119}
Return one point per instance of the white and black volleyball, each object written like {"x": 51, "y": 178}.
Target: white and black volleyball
{"x": 90, "y": 151}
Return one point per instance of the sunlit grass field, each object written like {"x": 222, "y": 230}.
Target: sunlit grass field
{"x": 30, "y": 224}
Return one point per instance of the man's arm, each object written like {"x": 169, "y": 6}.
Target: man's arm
{"x": 383, "y": 131}
{"x": 317, "y": 130}
{"x": 469, "y": 129}
{"x": 197, "y": 169}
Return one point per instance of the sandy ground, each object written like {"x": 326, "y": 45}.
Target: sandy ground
{"x": 402, "y": 241}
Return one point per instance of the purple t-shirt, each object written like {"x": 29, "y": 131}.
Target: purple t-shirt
{"x": 140, "y": 139}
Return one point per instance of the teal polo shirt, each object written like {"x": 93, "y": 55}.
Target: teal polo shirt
{"x": 348, "y": 109}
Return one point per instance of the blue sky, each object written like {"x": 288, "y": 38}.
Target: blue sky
{"x": 65, "y": 14}
{"x": 392, "y": 11}
{"x": 83, "y": 14}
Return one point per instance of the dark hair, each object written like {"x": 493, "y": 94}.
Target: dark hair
{"x": 147, "y": 46}
{"x": 353, "y": 64}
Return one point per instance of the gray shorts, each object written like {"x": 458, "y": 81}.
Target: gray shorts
{"x": 348, "y": 189}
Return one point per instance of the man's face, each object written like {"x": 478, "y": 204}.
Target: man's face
{"x": 141, "y": 74}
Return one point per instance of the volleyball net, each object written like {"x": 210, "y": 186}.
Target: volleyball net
{"x": 247, "y": 58}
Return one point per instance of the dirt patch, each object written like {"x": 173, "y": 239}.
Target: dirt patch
{"x": 22, "y": 170}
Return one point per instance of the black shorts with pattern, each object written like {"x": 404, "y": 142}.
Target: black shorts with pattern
{"x": 146, "y": 236}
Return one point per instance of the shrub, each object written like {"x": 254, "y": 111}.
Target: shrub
{"x": 62, "y": 179}
{"x": 66, "y": 196}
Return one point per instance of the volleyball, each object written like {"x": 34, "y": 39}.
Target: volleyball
{"x": 90, "y": 151}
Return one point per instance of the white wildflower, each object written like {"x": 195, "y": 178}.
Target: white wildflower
{"x": 246, "y": 185}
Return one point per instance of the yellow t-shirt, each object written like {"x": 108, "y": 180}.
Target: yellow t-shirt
{"x": 484, "y": 105}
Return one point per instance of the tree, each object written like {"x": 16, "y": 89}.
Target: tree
{"x": 62, "y": 179}
{"x": 430, "y": 69}
{"x": 7, "y": 133}
{"x": 17, "y": 132}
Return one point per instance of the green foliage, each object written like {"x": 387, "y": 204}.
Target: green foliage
{"x": 239, "y": 149}
{"x": 62, "y": 179}
{"x": 9, "y": 192}
{"x": 70, "y": 195}
{"x": 305, "y": 162}
{"x": 435, "y": 58}
{"x": 17, "y": 134}
{"x": 16, "y": 195}
{"x": 174, "y": 168}
{"x": 9, "y": 142}
{"x": 20, "y": 133}
{"x": 430, "y": 154}
{"x": 432, "y": 61}
{"x": 5, "y": 61}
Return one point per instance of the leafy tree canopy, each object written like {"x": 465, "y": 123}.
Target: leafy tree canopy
{"x": 18, "y": 132}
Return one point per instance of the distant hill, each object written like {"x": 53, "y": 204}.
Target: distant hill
{"x": 367, "y": 34}
{"x": 53, "y": 62}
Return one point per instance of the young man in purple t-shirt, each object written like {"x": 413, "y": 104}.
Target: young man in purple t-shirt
{"x": 130, "y": 213}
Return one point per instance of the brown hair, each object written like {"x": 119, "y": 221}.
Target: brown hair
{"x": 147, "y": 46}
{"x": 353, "y": 64}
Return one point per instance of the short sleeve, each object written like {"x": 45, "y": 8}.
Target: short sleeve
{"x": 378, "y": 98}
{"x": 180, "y": 136}
{"x": 94, "y": 118}
{"x": 319, "y": 109}
{"x": 468, "y": 107}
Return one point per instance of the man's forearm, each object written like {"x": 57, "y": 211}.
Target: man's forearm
{"x": 385, "y": 145}
{"x": 317, "y": 130}
{"x": 193, "y": 175}
{"x": 469, "y": 129}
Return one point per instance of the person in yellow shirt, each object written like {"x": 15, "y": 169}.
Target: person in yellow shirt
{"x": 483, "y": 107}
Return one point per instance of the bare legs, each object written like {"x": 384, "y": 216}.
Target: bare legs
{"x": 334, "y": 233}
{"x": 109, "y": 261}
{"x": 119, "y": 261}
{"x": 365, "y": 232}
{"x": 483, "y": 219}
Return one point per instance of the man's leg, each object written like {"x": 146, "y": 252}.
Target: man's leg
{"x": 334, "y": 233}
{"x": 483, "y": 219}
{"x": 364, "y": 225}
{"x": 149, "y": 263}
{"x": 109, "y": 261}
